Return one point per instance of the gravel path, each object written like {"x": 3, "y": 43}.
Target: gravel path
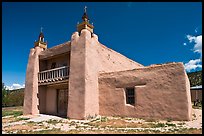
{"x": 43, "y": 117}
{"x": 196, "y": 121}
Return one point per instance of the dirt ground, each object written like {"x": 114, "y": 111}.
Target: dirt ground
{"x": 48, "y": 124}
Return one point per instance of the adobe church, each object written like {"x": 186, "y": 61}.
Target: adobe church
{"x": 83, "y": 78}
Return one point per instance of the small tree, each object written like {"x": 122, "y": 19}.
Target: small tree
{"x": 4, "y": 95}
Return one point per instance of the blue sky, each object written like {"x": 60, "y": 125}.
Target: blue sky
{"x": 146, "y": 32}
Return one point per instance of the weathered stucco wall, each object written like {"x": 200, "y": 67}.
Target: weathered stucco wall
{"x": 56, "y": 50}
{"x": 76, "y": 97}
{"x": 88, "y": 57}
{"x": 91, "y": 75}
{"x": 31, "y": 101}
{"x": 100, "y": 58}
{"x": 110, "y": 60}
{"x": 161, "y": 92}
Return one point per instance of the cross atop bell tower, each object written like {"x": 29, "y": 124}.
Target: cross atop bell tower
{"x": 40, "y": 41}
{"x": 85, "y": 16}
{"x": 85, "y": 24}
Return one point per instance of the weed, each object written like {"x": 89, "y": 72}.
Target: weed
{"x": 31, "y": 122}
{"x": 181, "y": 123}
{"x": 150, "y": 120}
{"x": 51, "y": 121}
{"x": 171, "y": 124}
{"x": 192, "y": 128}
{"x": 19, "y": 119}
{"x": 176, "y": 129}
{"x": 77, "y": 126}
{"x": 72, "y": 123}
{"x": 104, "y": 119}
{"x": 169, "y": 119}
{"x": 53, "y": 131}
{"x": 158, "y": 125}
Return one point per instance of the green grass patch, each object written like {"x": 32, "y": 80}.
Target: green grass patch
{"x": 157, "y": 125}
{"x": 104, "y": 119}
{"x": 19, "y": 119}
{"x": 14, "y": 113}
{"x": 52, "y": 121}
{"x": 53, "y": 131}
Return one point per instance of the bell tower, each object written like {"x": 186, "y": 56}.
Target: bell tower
{"x": 40, "y": 41}
{"x": 83, "y": 100}
{"x": 31, "y": 100}
{"x": 85, "y": 24}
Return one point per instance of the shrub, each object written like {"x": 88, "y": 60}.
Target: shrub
{"x": 170, "y": 124}
{"x": 158, "y": 125}
{"x": 13, "y": 98}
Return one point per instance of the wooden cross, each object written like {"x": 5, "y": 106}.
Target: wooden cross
{"x": 85, "y": 9}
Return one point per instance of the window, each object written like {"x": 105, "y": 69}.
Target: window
{"x": 130, "y": 95}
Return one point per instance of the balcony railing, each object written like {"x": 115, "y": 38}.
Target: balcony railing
{"x": 52, "y": 75}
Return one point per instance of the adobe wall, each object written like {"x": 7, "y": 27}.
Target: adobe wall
{"x": 162, "y": 92}
{"x": 88, "y": 57}
{"x": 99, "y": 58}
{"x": 91, "y": 75}
{"x": 110, "y": 60}
{"x": 76, "y": 99}
{"x": 56, "y": 50}
{"x": 31, "y": 101}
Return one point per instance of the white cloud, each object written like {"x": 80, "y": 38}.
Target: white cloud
{"x": 184, "y": 44}
{"x": 193, "y": 64}
{"x": 15, "y": 86}
{"x": 198, "y": 43}
{"x": 196, "y": 63}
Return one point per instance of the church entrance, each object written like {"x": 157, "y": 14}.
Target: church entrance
{"x": 62, "y": 95}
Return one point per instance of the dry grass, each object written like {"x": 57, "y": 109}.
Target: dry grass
{"x": 120, "y": 123}
{"x": 8, "y": 120}
{"x": 26, "y": 127}
{"x": 104, "y": 125}
{"x": 17, "y": 108}
{"x": 15, "y": 111}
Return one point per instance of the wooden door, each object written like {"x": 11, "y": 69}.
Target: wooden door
{"x": 62, "y": 102}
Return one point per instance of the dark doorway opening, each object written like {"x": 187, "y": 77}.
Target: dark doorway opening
{"x": 62, "y": 102}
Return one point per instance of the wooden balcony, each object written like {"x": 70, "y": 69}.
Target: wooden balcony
{"x": 55, "y": 75}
